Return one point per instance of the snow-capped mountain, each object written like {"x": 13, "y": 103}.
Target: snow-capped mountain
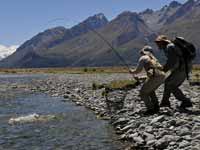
{"x": 7, "y": 50}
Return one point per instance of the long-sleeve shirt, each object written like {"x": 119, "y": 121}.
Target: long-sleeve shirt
{"x": 173, "y": 55}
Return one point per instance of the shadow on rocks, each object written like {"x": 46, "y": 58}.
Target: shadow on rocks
{"x": 189, "y": 112}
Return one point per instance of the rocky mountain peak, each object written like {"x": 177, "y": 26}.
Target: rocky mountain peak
{"x": 100, "y": 16}
{"x": 129, "y": 16}
{"x": 126, "y": 14}
{"x": 182, "y": 11}
{"x": 147, "y": 11}
{"x": 164, "y": 8}
{"x": 174, "y": 4}
{"x": 191, "y": 2}
{"x": 43, "y": 38}
{"x": 55, "y": 30}
{"x": 96, "y": 21}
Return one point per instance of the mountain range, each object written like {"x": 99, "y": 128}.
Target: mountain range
{"x": 128, "y": 33}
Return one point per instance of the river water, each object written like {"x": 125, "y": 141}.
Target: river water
{"x": 75, "y": 128}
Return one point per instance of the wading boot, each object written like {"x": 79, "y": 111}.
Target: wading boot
{"x": 186, "y": 103}
{"x": 165, "y": 104}
{"x": 151, "y": 112}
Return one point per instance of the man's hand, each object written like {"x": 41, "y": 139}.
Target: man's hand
{"x": 131, "y": 71}
{"x": 136, "y": 78}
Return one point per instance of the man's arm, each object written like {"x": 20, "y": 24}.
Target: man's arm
{"x": 140, "y": 66}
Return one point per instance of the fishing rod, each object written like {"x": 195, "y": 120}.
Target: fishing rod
{"x": 117, "y": 54}
{"x": 112, "y": 48}
{"x": 102, "y": 38}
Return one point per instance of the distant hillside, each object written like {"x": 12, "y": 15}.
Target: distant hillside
{"x": 185, "y": 22}
{"x": 128, "y": 32}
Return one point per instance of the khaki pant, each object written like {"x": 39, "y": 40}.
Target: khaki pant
{"x": 147, "y": 92}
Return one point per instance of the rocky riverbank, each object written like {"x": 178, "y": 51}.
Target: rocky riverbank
{"x": 171, "y": 129}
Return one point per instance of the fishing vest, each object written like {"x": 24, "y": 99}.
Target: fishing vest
{"x": 152, "y": 66}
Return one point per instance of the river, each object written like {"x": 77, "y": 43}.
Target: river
{"x": 75, "y": 128}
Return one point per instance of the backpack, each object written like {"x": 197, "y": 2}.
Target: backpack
{"x": 188, "y": 51}
{"x": 187, "y": 48}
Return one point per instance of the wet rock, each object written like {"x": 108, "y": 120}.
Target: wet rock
{"x": 183, "y": 131}
{"x": 133, "y": 135}
{"x": 120, "y": 121}
{"x": 196, "y": 147}
{"x": 151, "y": 143}
{"x": 138, "y": 140}
{"x": 31, "y": 119}
{"x": 148, "y": 137}
{"x": 172, "y": 122}
{"x": 66, "y": 96}
{"x": 172, "y": 143}
{"x": 142, "y": 127}
{"x": 195, "y": 133}
{"x": 187, "y": 137}
{"x": 78, "y": 103}
{"x": 163, "y": 142}
{"x": 158, "y": 119}
{"x": 184, "y": 144}
{"x": 180, "y": 122}
{"x": 77, "y": 90}
{"x": 196, "y": 127}
{"x": 127, "y": 127}
{"x": 163, "y": 133}
{"x": 149, "y": 129}
{"x": 55, "y": 95}
{"x": 197, "y": 137}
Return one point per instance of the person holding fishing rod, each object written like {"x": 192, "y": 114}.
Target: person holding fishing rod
{"x": 155, "y": 77}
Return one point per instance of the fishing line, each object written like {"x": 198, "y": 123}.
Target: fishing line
{"x": 102, "y": 38}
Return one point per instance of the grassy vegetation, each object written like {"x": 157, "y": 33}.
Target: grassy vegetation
{"x": 75, "y": 70}
{"x": 85, "y": 70}
{"x": 116, "y": 84}
{"x": 196, "y": 73}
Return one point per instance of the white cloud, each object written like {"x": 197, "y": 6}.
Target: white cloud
{"x": 5, "y": 51}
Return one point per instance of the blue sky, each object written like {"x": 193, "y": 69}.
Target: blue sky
{"x": 22, "y": 19}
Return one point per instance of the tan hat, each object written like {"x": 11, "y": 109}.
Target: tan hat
{"x": 162, "y": 38}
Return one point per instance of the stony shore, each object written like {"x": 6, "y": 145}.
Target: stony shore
{"x": 171, "y": 129}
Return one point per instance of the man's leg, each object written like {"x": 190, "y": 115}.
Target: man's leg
{"x": 171, "y": 86}
{"x": 185, "y": 102}
{"x": 166, "y": 95}
{"x": 148, "y": 95}
{"x": 147, "y": 101}
{"x": 167, "y": 92}
{"x": 154, "y": 101}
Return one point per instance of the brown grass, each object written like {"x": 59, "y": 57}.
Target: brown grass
{"x": 75, "y": 70}
{"x": 116, "y": 84}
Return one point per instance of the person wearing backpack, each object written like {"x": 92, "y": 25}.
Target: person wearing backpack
{"x": 179, "y": 67}
{"x": 155, "y": 77}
